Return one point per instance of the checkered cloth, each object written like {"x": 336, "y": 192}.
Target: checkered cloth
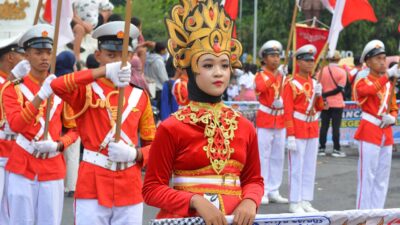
{"x": 182, "y": 221}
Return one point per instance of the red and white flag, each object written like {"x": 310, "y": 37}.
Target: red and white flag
{"x": 66, "y": 34}
{"x": 345, "y": 13}
{"x": 232, "y": 8}
{"x": 329, "y": 4}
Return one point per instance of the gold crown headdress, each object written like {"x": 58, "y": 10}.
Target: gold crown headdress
{"x": 198, "y": 27}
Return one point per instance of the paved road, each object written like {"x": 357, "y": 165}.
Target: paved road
{"x": 335, "y": 188}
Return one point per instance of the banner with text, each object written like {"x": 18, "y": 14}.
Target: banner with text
{"x": 356, "y": 217}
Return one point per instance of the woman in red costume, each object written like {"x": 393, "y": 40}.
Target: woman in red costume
{"x": 208, "y": 149}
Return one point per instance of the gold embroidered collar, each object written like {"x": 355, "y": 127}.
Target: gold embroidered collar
{"x": 220, "y": 123}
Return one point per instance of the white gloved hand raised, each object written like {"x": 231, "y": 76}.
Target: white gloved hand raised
{"x": 291, "y": 143}
{"x": 277, "y": 103}
{"x": 388, "y": 119}
{"x": 119, "y": 76}
{"x": 45, "y": 91}
{"x": 47, "y": 146}
{"x": 21, "y": 69}
{"x": 394, "y": 71}
{"x": 318, "y": 89}
{"x": 121, "y": 152}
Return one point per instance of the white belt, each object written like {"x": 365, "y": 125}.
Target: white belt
{"x": 306, "y": 118}
{"x": 223, "y": 180}
{"x": 101, "y": 160}
{"x": 372, "y": 119}
{"x": 7, "y": 136}
{"x": 28, "y": 147}
{"x": 274, "y": 112}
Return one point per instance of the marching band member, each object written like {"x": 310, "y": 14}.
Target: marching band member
{"x": 11, "y": 61}
{"x": 108, "y": 190}
{"x": 36, "y": 168}
{"x": 374, "y": 133}
{"x": 301, "y": 120}
{"x": 270, "y": 122}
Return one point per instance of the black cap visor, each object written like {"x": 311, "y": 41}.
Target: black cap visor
{"x": 39, "y": 43}
{"x": 306, "y": 57}
{"x": 374, "y": 52}
{"x": 113, "y": 44}
{"x": 270, "y": 51}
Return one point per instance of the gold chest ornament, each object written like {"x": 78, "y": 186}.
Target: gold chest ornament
{"x": 220, "y": 123}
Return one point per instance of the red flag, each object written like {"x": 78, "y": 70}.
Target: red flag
{"x": 47, "y": 15}
{"x": 232, "y": 8}
{"x": 309, "y": 35}
{"x": 66, "y": 34}
{"x": 345, "y": 13}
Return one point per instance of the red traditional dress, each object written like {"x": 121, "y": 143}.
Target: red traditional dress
{"x": 95, "y": 103}
{"x": 208, "y": 149}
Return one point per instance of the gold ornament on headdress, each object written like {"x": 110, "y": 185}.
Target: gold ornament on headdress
{"x": 198, "y": 27}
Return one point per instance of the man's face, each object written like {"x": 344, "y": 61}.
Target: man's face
{"x": 104, "y": 56}
{"x": 306, "y": 66}
{"x": 272, "y": 61}
{"x": 377, "y": 63}
{"x": 39, "y": 58}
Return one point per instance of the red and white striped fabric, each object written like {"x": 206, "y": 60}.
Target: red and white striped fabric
{"x": 329, "y": 4}
{"x": 65, "y": 34}
{"x": 346, "y": 12}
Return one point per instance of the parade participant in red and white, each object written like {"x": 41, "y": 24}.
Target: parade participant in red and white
{"x": 208, "y": 149}
{"x": 374, "y": 133}
{"x": 108, "y": 190}
{"x": 36, "y": 168}
{"x": 180, "y": 89}
{"x": 11, "y": 61}
{"x": 270, "y": 122}
{"x": 301, "y": 120}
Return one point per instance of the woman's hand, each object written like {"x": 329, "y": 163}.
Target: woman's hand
{"x": 210, "y": 214}
{"x": 245, "y": 213}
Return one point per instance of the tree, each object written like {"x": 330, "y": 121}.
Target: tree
{"x": 274, "y": 19}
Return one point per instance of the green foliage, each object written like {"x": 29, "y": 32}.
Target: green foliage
{"x": 274, "y": 17}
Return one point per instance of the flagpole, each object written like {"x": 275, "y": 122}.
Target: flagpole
{"x": 52, "y": 65}
{"x": 289, "y": 44}
{"x": 39, "y": 6}
{"x": 322, "y": 54}
{"x": 255, "y": 32}
{"x": 121, "y": 94}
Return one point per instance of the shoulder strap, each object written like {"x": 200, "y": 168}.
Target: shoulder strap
{"x": 333, "y": 79}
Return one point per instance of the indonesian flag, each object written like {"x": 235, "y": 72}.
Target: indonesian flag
{"x": 232, "y": 8}
{"x": 329, "y": 4}
{"x": 345, "y": 13}
{"x": 65, "y": 35}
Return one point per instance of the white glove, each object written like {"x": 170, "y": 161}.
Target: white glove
{"x": 21, "y": 69}
{"x": 394, "y": 71}
{"x": 45, "y": 91}
{"x": 283, "y": 69}
{"x": 291, "y": 144}
{"x": 388, "y": 119}
{"x": 277, "y": 103}
{"x": 119, "y": 76}
{"x": 48, "y": 146}
{"x": 121, "y": 152}
{"x": 318, "y": 89}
